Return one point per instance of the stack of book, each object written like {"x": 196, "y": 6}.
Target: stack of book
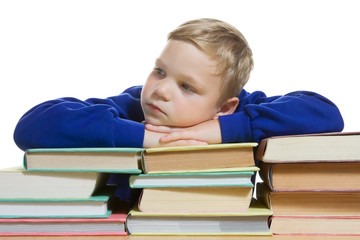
{"x": 198, "y": 190}
{"x": 311, "y": 183}
{"x": 64, "y": 192}
{"x": 186, "y": 191}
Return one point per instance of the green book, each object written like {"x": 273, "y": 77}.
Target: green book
{"x": 92, "y": 207}
{"x": 114, "y": 160}
{"x": 200, "y": 179}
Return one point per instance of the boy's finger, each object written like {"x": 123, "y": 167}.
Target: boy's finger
{"x": 178, "y": 135}
{"x": 188, "y": 142}
{"x": 154, "y": 128}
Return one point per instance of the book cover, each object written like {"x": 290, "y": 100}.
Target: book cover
{"x": 114, "y": 160}
{"x": 213, "y": 157}
{"x": 19, "y": 183}
{"x": 325, "y": 147}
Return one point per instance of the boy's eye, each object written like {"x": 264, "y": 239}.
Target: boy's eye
{"x": 160, "y": 72}
{"x": 188, "y": 88}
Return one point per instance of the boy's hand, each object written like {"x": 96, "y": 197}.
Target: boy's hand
{"x": 152, "y": 139}
{"x": 207, "y": 132}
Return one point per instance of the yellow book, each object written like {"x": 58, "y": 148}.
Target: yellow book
{"x": 213, "y": 157}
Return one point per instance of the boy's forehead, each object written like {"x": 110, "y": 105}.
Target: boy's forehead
{"x": 187, "y": 55}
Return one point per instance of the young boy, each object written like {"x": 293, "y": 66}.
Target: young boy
{"x": 194, "y": 95}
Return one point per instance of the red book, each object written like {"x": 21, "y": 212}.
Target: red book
{"x": 114, "y": 225}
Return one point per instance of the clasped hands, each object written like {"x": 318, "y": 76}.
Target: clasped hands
{"x": 207, "y": 132}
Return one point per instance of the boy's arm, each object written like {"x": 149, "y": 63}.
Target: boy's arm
{"x": 258, "y": 117}
{"x": 69, "y": 122}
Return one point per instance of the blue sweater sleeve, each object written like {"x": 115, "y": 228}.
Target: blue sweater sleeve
{"x": 259, "y": 116}
{"x": 70, "y": 122}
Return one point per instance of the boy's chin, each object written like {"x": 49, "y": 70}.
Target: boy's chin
{"x": 157, "y": 122}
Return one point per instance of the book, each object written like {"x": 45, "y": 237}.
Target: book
{"x": 108, "y": 237}
{"x": 114, "y": 160}
{"x": 201, "y": 179}
{"x": 325, "y": 147}
{"x": 198, "y": 158}
{"x": 114, "y": 225}
{"x": 327, "y": 176}
{"x": 92, "y": 207}
{"x": 310, "y": 203}
{"x": 195, "y": 199}
{"x": 18, "y": 183}
{"x": 252, "y": 222}
{"x": 237, "y": 237}
{"x": 330, "y": 225}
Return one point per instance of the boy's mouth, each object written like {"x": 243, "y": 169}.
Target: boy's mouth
{"x": 155, "y": 108}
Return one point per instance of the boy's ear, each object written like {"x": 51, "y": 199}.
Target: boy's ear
{"x": 228, "y": 107}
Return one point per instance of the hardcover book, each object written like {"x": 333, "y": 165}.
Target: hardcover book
{"x": 213, "y": 157}
{"x": 92, "y": 207}
{"x": 18, "y": 183}
{"x": 195, "y": 199}
{"x": 114, "y": 160}
{"x": 114, "y": 225}
{"x": 241, "y": 178}
{"x": 325, "y": 147}
{"x": 252, "y": 222}
{"x": 329, "y": 225}
{"x": 310, "y": 203}
{"x": 326, "y": 176}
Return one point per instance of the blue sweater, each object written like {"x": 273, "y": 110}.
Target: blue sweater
{"x": 116, "y": 121}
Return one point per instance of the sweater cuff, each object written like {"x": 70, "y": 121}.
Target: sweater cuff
{"x": 235, "y": 128}
{"x": 132, "y": 135}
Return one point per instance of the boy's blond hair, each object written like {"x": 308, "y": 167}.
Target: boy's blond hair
{"x": 226, "y": 45}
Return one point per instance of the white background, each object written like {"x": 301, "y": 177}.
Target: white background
{"x": 51, "y": 49}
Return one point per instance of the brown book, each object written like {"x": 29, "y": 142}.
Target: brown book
{"x": 326, "y": 147}
{"x": 198, "y": 158}
{"x": 315, "y": 203}
{"x": 337, "y": 225}
{"x": 311, "y": 176}
{"x": 195, "y": 199}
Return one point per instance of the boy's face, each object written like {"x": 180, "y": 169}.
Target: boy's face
{"x": 183, "y": 89}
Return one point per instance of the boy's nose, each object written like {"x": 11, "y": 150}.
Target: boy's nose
{"x": 163, "y": 90}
